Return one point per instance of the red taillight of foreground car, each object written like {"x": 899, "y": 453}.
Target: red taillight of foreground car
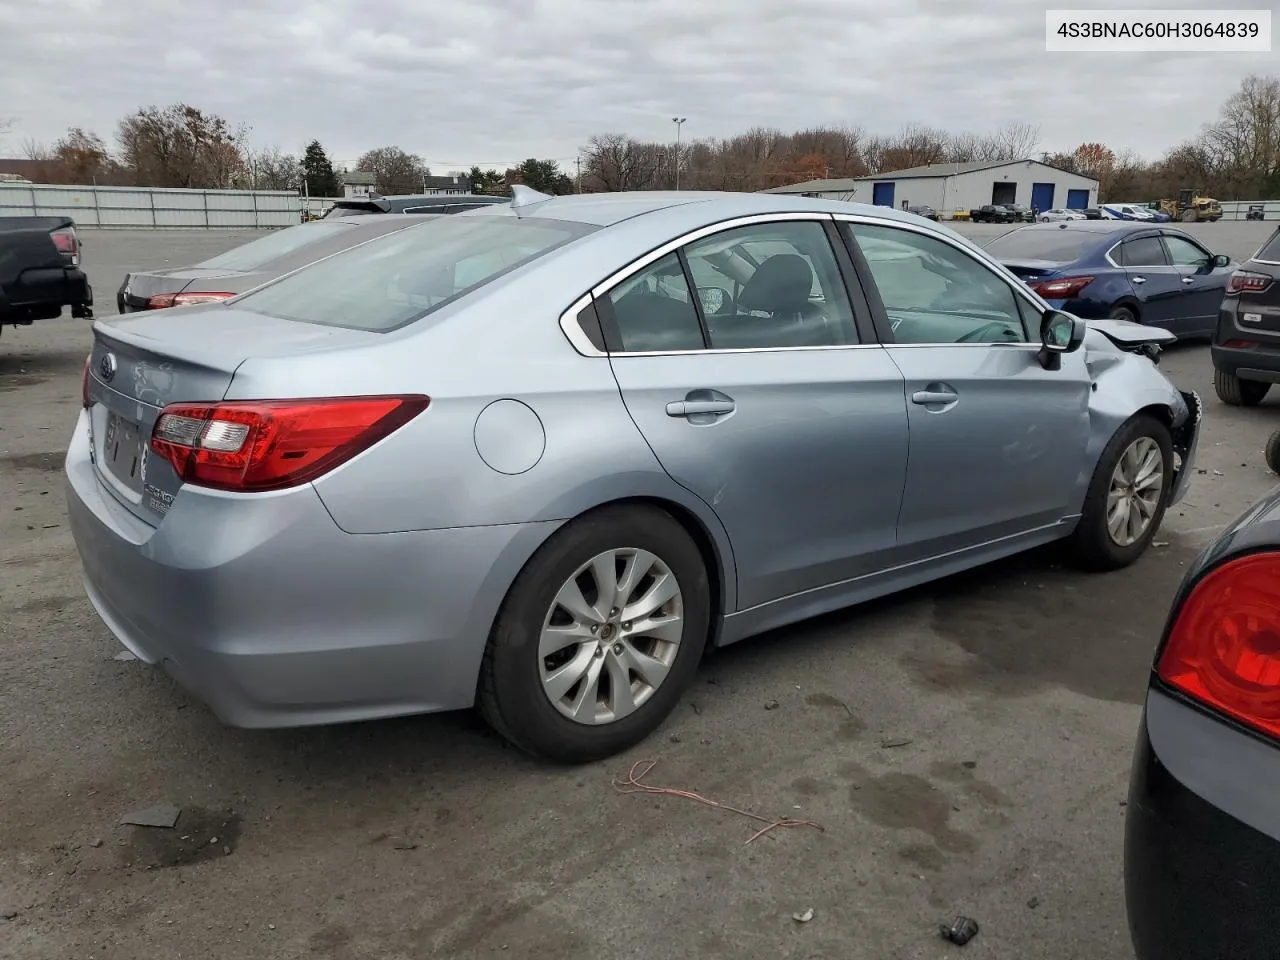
{"x": 1064, "y": 288}
{"x": 259, "y": 445}
{"x": 162, "y": 301}
{"x": 67, "y": 242}
{"x": 1224, "y": 647}
{"x": 1242, "y": 281}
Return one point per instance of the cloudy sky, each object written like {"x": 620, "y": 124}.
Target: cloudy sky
{"x": 493, "y": 81}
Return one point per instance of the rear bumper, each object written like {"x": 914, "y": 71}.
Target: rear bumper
{"x": 1202, "y": 839}
{"x": 274, "y": 617}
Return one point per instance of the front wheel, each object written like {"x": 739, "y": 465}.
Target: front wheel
{"x": 599, "y": 636}
{"x": 1273, "y": 452}
{"x": 1127, "y": 496}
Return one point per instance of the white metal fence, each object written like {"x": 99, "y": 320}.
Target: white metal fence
{"x": 152, "y": 207}
{"x": 1236, "y": 209}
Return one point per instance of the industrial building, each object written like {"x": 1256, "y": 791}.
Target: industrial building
{"x": 952, "y": 188}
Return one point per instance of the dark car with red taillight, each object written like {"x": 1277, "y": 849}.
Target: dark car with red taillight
{"x": 1121, "y": 270}
{"x": 1246, "y": 344}
{"x": 1202, "y": 831}
{"x": 40, "y": 271}
{"x": 252, "y": 264}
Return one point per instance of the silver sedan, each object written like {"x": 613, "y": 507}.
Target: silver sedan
{"x": 540, "y": 457}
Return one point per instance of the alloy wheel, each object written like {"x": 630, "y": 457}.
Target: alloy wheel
{"x": 1137, "y": 484}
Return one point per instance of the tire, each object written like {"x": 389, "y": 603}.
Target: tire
{"x": 1272, "y": 452}
{"x": 1123, "y": 313}
{"x": 1188, "y": 216}
{"x": 1092, "y": 543}
{"x": 1235, "y": 392}
{"x": 511, "y": 693}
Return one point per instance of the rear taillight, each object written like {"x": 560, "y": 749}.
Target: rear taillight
{"x": 1224, "y": 646}
{"x": 1242, "y": 281}
{"x": 257, "y": 445}
{"x": 1240, "y": 344}
{"x": 66, "y": 242}
{"x": 163, "y": 301}
{"x": 1064, "y": 288}
{"x": 84, "y": 383}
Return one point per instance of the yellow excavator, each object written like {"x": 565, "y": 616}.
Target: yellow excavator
{"x": 1192, "y": 208}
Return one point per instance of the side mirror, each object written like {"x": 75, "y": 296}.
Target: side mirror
{"x": 1059, "y": 333}
{"x": 1221, "y": 260}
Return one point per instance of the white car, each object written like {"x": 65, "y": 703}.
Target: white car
{"x": 1127, "y": 211}
{"x": 1059, "y": 214}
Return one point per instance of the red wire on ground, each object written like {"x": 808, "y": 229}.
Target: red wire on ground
{"x": 640, "y": 769}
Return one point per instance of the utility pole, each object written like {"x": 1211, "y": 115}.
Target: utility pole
{"x": 577, "y": 162}
{"x": 679, "y": 122}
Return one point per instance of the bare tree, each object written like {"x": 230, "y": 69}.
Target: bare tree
{"x": 1015, "y": 140}
{"x": 273, "y": 169}
{"x": 394, "y": 171}
{"x": 182, "y": 146}
{"x": 614, "y": 162}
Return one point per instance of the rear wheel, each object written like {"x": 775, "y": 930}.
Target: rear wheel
{"x": 1235, "y": 392}
{"x": 1273, "y": 452}
{"x": 1188, "y": 216}
{"x": 1123, "y": 313}
{"x": 1127, "y": 496}
{"x": 599, "y": 636}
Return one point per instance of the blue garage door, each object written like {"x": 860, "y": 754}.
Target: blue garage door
{"x": 1042, "y": 196}
{"x": 1077, "y": 199}
{"x": 882, "y": 194}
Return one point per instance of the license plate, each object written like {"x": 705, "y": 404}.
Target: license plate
{"x": 122, "y": 452}
{"x": 1251, "y": 317}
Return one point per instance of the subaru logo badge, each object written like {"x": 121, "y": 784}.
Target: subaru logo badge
{"x": 107, "y": 367}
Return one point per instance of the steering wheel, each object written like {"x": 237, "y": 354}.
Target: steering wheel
{"x": 981, "y": 334}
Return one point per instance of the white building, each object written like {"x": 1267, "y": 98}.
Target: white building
{"x": 959, "y": 187}
{"x": 356, "y": 183}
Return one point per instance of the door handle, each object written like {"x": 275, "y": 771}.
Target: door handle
{"x": 1138, "y": 279}
{"x": 1188, "y": 280}
{"x": 692, "y": 408}
{"x": 934, "y": 396}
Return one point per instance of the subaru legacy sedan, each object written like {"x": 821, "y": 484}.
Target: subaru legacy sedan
{"x": 539, "y": 457}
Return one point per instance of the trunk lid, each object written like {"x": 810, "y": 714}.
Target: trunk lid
{"x": 141, "y": 363}
{"x": 1031, "y": 270}
{"x": 138, "y": 287}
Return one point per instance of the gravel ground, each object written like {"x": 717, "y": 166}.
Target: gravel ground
{"x": 965, "y": 748}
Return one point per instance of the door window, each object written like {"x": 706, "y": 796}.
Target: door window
{"x": 1184, "y": 253}
{"x": 1143, "y": 252}
{"x": 654, "y": 310}
{"x": 771, "y": 285}
{"x": 935, "y": 293}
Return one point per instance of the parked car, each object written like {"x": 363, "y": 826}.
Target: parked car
{"x": 1019, "y": 213}
{"x": 1060, "y": 214}
{"x": 411, "y": 203}
{"x": 1246, "y": 343}
{"x": 1202, "y": 826}
{"x": 40, "y": 271}
{"x": 1256, "y": 211}
{"x": 1092, "y": 213}
{"x": 925, "y": 211}
{"x": 1127, "y": 271}
{"x": 517, "y": 458}
{"x": 991, "y": 213}
{"x": 248, "y": 265}
{"x": 1126, "y": 211}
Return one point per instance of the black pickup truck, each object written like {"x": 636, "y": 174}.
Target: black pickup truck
{"x": 991, "y": 213}
{"x": 40, "y": 270}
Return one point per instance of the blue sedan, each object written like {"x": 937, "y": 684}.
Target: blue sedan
{"x": 1121, "y": 270}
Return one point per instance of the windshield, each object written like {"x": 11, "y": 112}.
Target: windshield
{"x": 1056, "y": 245}
{"x": 395, "y": 280}
{"x": 255, "y": 253}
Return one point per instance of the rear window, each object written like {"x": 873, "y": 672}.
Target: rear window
{"x": 255, "y": 253}
{"x": 1271, "y": 249}
{"x": 395, "y": 280}
{"x": 1056, "y": 245}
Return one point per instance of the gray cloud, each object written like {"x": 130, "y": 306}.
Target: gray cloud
{"x": 494, "y": 81}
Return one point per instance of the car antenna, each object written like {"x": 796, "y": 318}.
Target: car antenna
{"x": 522, "y": 196}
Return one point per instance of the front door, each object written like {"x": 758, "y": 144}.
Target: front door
{"x": 756, "y": 394}
{"x": 1203, "y": 285}
{"x": 996, "y": 439}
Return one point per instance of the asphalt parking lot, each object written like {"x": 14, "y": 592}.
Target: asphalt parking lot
{"x": 964, "y": 747}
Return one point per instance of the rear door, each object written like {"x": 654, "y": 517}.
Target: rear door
{"x": 1155, "y": 282}
{"x": 997, "y": 441}
{"x": 1203, "y": 284}
{"x": 753, "y": 374}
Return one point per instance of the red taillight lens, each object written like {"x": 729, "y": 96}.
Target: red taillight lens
{"x": 162, "y": 301}
{"x": 1242, "y": 281}
{"x": 66, "y": 241}
{"x": 272, "y": 444}
{"x": 1064, "y": 288}
{"x": 84, "y": 383}
{"x": 1240, "y": 344}
{"x": 1224, "y": 647}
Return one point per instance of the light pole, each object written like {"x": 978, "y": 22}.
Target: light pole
{"x": 679, "y": 122}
